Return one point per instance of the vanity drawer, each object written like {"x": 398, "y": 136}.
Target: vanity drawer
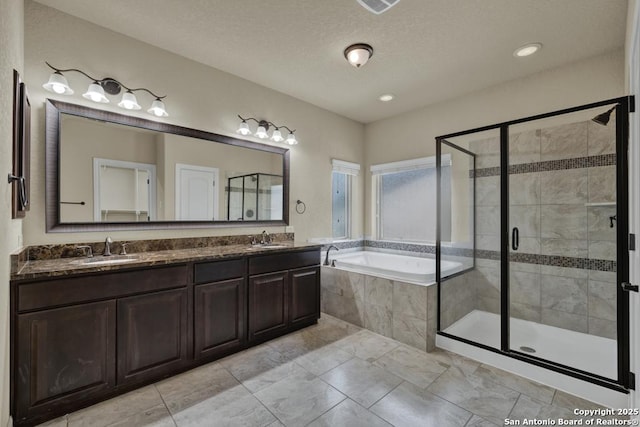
{"x": 216, "y": 271}
{"x": 267, "y": 263}
{"x": 72, "y": 290}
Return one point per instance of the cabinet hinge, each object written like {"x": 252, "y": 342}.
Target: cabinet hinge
{"x": 632, "y": 242}
{"x": 629, "y": 287}
{"x": 632, "y": 381}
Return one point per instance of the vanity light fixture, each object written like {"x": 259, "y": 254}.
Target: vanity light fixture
{"x": 99, "y": 88}
{"x": 358, "y": 54}
{"x": 263, "y": 130}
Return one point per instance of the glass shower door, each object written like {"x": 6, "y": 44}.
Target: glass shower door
{"x": 562, "y": 242}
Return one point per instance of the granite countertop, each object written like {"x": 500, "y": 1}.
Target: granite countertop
{"x": 70, "y": 266}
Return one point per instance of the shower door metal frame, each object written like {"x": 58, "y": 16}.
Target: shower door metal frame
{"x": 624, "y": 382}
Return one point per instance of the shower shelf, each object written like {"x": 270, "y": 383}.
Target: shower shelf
{"x": 600, "y": 204}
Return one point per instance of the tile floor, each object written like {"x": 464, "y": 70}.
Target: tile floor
{"x": 333, "y": 374}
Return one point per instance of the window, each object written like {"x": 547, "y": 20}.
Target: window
{"x": 406, "y": 199}
{"x": 343, "y": 173}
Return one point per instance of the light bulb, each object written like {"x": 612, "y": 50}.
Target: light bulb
{"x": 95, "y": 93}
{"x": 157, "y": 108}
{"x": 58, "y": 84}
{"x": 58, "y": 88}
{"x": 129, "y": 101}
{"x": 262, "y": 132}
{"x": 291, "y": 139}
{"x": 277, "y": 136}
{"x": 243, "y": 129}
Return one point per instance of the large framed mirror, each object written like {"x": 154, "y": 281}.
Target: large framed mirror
{"x": 108, "y": 171}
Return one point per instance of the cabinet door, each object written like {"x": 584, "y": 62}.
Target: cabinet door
{"x": 64, "y": 355}
{"x": 152, "y": 335}
{"x": 219, "y": 317}
{"x": 268, "y": 305}
{"x": 305, "y": 295}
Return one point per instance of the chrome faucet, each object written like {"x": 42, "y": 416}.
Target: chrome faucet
{"x": 88, "y": 251}
{"x": 107, "y": 246}
{"x": 266, "y": 239}
{"x": 326, "y": 259}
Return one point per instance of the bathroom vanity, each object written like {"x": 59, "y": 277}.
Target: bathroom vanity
{"x": 84, "y": 333}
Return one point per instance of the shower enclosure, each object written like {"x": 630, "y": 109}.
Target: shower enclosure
{"x": 538, "y": 216}
{"x": 254, "y": 197}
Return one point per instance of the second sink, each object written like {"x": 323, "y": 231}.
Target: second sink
{"x": 105, "y": 260}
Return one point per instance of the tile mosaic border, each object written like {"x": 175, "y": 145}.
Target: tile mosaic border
{"x": 549, "y": 165}
{"x": 401, "y": 246}
{"x": 347, "y": 244}
{"x": 540, "y": 259}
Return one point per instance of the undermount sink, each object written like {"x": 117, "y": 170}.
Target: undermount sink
{"x": 268, "y": 246}
{"x": 105, "y": 260}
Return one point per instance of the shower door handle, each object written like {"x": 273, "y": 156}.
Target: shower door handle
{"x": 515, "y": 238}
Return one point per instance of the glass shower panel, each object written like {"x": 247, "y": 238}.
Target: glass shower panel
{"x": 469, "y": 225}
{"x": 269, "y": 197}
{"x": 562, "y": 241}
{"x": 235, "y": 198}
{"x": 250, "y": 197}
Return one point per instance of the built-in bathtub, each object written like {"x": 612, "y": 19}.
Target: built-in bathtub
{"x": 411, "y": 269}
{"x": 387, "y": 293}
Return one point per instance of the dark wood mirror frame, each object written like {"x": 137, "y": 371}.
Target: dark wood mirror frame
{"x": 21, "y": 175}
{"x": 52, "y": 177}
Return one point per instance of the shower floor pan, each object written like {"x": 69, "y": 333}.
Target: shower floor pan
{"x": 586, "y": 352}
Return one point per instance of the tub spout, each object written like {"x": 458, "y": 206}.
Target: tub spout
{"x": 326, "y": 258}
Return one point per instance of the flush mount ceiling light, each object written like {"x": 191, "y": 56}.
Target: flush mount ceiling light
{"x": 386, "y": 97}
{"x": 99, "y": 88}
{"x": 358, "y": 54}
{"x": 263, "y": 130}
{"x": 527, "y": 49}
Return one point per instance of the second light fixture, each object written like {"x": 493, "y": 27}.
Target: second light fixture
{"x": 263, "y": 128}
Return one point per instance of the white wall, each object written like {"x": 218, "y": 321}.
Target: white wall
{"x": 413, "y": 134}
{"x": 11, "y": 57}
{"x": 198, "y": 96}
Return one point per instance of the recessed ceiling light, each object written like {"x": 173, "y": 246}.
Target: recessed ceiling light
{"x": 386, "y": 97}
{"x": 527, "y": 49}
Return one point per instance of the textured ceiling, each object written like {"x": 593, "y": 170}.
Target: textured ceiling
{"x": 425, "y": 50}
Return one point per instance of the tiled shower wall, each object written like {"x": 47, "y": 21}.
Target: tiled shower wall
{"x": 561, "y": 195}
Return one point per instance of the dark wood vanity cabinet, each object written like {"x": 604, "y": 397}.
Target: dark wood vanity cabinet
{"x": 268, "y": 305}
{"x": 83, "y": 338}
{"x": 219, "y": 308}
{"x": 63, "y": 355}
{"x": 305, "y": 295}
{"x": 152, "y": 335}
{"x": 283, "y": 300}
{"x": 80, "y": 338}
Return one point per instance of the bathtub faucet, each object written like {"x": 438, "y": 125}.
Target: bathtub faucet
{"x": 326, "y": 259}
